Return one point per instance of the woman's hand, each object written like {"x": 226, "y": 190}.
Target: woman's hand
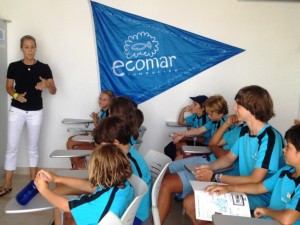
{"x": 21, "y": 98}
{"x": 42, "y": 84}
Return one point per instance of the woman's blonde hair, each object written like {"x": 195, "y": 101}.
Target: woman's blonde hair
{"x": 27, "y": 37}
{"x": 108, "y": 167}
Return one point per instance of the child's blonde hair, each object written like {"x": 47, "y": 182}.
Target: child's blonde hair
{"x": 109, "y": 93}
{"x": 108, "y": 167}
{"x": 216, "y": 103}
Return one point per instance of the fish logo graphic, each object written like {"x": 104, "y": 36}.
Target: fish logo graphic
{"x": 139, "y": 44}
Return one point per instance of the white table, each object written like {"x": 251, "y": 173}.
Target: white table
{"x": 86, "y": 122}
{"x": 82, "y": 174}
{"x": 74, "y": 129}
{"x": 83, "y": 138}
{"x": 238, "y": 220}
{"x": 174, "y": 124}
{"x": 37, "y": 204}
{"x": 70, "y": 153}
{"x": 196, "y": 149}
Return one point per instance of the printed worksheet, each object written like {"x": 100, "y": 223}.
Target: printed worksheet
{"x": 206, "y": 205}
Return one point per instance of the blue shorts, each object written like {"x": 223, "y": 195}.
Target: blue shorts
{"x": 185, "y": 176}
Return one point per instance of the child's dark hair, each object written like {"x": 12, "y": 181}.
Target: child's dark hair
{"x": 110, "y": 129}
{"x": 293, "y": 136}
{"x": 124, "y": 108}
{"x": 139, "y": 117}
{"x": 216, "y": 103}
{"x": 108, "y": 167}
{"x": 257, "y": 100}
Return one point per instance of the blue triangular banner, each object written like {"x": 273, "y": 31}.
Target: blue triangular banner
{"x": 141, "y": 58}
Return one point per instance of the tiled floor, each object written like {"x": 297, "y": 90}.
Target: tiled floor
{"x": 45, "y": 217}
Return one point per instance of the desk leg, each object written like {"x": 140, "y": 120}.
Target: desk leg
{"x": 195, "y": 140}
{"x": 61, "y": 217}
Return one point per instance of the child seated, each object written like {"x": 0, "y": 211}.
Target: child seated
{"x": 285, "y": 199}
{"x": 106, "y": 190}
{"x": 197, "y": 119}
{"x": 105, "y": 100}
{"x": 117, "y": 131}
{"x": 216, "y": 108}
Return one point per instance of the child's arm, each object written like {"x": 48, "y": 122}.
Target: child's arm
{"x": 244, "y": 188}
{"x": 181, "y": 119}
{"x": 257, "y": 176}
{"x": 177, "y": 136}
{"x": 55, "y": 199}
{"x": 80, "y": 184}
{"x": 286, "y": 216}
{"x": 95, "y": 118}
{"x": 217, "y": 138}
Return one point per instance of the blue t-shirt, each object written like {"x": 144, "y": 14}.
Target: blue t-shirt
{"x": 140, "y": 169}
{"x": 285, "y": 190}
{"x": 88, "y": 208}
{"x": 212, "y": 127}
{"x": 196, "y": 122}
{"x": 102, "y": 114}
{"x": 263, "y": 150}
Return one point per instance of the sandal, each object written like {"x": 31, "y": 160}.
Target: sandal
{"x": 4, "y": 191}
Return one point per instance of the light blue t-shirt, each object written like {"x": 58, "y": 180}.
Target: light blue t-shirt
{"x": 261, "y": 151}
{"x": 88, "y": 208}
{"x": 196, "y": 122}
{"x": 285, "y": 190}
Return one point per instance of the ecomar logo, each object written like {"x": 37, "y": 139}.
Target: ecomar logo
{"x": 140, "y": 50}
{"x": 141, "y": 44}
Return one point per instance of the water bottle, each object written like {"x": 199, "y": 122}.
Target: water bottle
{"x": 27, "y": 193}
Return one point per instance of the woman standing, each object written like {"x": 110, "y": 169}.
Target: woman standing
{"x": 26, "y": 79}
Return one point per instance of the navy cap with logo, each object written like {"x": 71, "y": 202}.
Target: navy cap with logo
{"x": 200, "y": 99}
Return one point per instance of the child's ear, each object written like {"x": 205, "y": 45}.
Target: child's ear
{"x": 116, "y": 142}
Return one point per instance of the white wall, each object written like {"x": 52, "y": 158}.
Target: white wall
{"x": 268, "y": 31}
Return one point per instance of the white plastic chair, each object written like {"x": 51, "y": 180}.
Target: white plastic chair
{"x": 138, "y": 143}
{"x": 140, "y": 189}
{"x": 156, "y": 161}
{"x": 110, "y": 219}
{"x": 142, "y": 131}
{"x": 154, "y": 195}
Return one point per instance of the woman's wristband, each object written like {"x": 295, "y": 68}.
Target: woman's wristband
{"x": 15, "y": 95}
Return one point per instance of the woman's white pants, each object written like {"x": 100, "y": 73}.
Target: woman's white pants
{"x": 16, "y": 120}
